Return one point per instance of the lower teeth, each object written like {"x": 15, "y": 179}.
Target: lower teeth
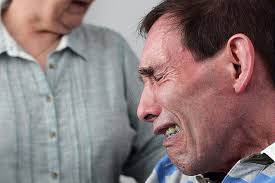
{"x": 170, "y": 135}
{"x": 172, "y": 131}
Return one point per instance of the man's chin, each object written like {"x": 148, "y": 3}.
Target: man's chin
{"x": 187, "y": 167}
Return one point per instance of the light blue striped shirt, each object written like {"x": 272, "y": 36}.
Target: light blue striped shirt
{"x": 258, "y": 168}
{"x": 76, "y": 122}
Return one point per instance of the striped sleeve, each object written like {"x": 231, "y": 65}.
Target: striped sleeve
{"x": 166, "y": 172}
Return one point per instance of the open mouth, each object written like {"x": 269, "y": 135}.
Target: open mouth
{"x": 172, "y": 131}
{"x": 168, "y": 130}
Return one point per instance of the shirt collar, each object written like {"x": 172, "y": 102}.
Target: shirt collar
{"x": 77, "y": 42}
{"x": 4, "y": 35}
{"x": 74, "y": 40}
{"x": 9, "y": 45}
{"x": 270, "y": 151}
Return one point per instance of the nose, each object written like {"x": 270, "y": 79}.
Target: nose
{"x": 148, "y": 108}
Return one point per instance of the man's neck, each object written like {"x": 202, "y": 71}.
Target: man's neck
{"x": 215, "y": 177}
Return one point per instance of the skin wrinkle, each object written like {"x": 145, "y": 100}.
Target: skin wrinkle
{"x": 199, "y": 96}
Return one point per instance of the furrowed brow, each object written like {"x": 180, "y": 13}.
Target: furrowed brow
{"x": 145, "y": 72}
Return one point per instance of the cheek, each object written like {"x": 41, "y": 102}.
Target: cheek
{"x": 48, "y": 15}
{"x": 193, "y": 103}
{"x": 55, "y": 9}
{"x": 169, "y": 95}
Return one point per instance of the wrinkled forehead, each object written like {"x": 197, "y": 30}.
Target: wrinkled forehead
{"x": 163, "y": 41}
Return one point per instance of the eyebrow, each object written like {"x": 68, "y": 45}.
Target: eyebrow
{"x": 145, "y": 72}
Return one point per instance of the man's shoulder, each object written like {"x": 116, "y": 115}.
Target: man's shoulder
{"x": 242, "y": 172}
{"x": 258, "y": 168}
{"x": 166, "y": 172}
{"x": 267, "y": 175}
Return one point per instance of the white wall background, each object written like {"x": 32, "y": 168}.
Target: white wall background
{"x": 122, "y": 16}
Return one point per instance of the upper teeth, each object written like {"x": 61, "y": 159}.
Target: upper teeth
{"x": 172, "y": 130}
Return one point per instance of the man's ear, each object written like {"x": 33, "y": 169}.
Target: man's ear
{"x": 242, "y": 54}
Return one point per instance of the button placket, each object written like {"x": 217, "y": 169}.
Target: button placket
{"x": 54, "y": 175}
{"x": 52, "y": 135}
{"x": 52, "y": 66}
{"x": 49, "y": 98}
{"x": 51, "y": 124}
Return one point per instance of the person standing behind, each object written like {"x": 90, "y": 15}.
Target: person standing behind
{"x": 68, "y": 97}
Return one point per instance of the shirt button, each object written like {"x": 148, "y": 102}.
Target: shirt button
{"x": 52, "y": 66}
{"x": 49, "y": 98}
{"x": 52, "y": 135}
{"x": 54, "y": 175}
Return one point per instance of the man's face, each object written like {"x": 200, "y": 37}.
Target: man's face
{"x": 59, "y": 16}
{"x": 188, "y": 101}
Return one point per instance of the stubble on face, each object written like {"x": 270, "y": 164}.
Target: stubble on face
{"x": 198, "y": 95}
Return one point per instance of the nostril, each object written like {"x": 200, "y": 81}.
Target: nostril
{"x": 150, "y": 117}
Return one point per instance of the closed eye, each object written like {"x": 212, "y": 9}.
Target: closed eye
{"x": 158, "y": 77}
